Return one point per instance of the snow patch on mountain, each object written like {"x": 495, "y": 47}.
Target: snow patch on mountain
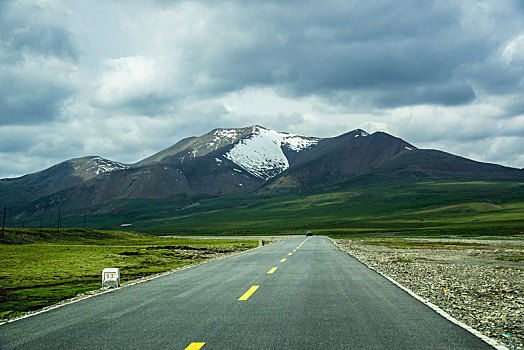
{"x": 100, "y": 165}
{"x": 214, "y": 140}
{"x": 298, "y": 143}
{"x": 261, "y": 153}
{"x": 230, "y": 134}
{"x": 222, "y": 137}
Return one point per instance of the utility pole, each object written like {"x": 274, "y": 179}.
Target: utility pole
{"x": 3, "y": 223}
{"x": 59, "y": 221}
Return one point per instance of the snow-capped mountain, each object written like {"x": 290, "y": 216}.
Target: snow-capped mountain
{"x": 89, "y": 167}
{"x": 193, "y": 147}
{"x": 56, "y": 178}
{"x": 231, "y": 161}
{"x": 261, "y": 152}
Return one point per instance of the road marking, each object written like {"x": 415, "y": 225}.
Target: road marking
{"x": 195, "y": 346}
{"x": 290, "y": 254}
{"x": 294, "y": 250}
{"x": 283, "y": 260}
{"x": 248, "y": 293}
{"x": 272, "y": 270}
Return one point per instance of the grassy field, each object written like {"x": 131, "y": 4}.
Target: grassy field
{"x": 40, "y": 267}
{"x": 459, "y": 208}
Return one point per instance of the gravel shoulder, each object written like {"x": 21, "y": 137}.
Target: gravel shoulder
{"x": 478, "y": 281}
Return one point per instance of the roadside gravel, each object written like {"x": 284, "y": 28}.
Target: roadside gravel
{"x": 464, "y": 277}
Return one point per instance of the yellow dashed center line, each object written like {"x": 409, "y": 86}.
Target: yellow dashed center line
{"x": 290, "y": 254}
{"x": 272, "y": 270}
{"x": 294, "y": 250}
{"x": 283, "y": 260}
{"x": 195, "y": 346}
{"x": 248, "y": 293}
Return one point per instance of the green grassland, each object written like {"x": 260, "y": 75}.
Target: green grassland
{"x": 472, "y": 208}
{"x": 40, "y": 267}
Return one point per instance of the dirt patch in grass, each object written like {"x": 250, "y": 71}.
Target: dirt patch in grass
{"x": 201, "y": 249}
{"x": 513, "y": 257}
{"x": 400, "y": 243}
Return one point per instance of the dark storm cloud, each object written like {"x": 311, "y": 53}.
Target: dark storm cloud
{"x": 27, "y": 101}
{"x": 33, "y": 56}
{"x": 380, "y": 47}
{"x": 395, "y": 53}
{"x": 37, "y": 39}
{"x": 12, "y": 142}
{"x": 23, "y": 32}
{"x": 152, "y": 104}
{"x": 445, "y": 94}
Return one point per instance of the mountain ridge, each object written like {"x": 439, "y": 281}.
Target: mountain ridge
{"x": 229, "y": 161}
{"x": 58, "y": 177}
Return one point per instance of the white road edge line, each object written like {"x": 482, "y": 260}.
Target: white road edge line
{"x": 128, "y": 284}
{"x": 435, "y": 308}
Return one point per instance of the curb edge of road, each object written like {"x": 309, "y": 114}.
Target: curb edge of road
{"x": 98, "y": 292}
{"x": 434, "y": 307}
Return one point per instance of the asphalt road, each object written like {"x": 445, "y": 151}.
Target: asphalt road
{"x": 318, "y": 298}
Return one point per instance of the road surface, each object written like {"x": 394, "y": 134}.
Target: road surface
{"x": 294, "y": 294}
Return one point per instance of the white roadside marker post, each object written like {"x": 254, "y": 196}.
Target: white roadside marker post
{"x": 111, "y": 277}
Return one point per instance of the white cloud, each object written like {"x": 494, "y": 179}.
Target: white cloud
{"x": 514, "y": 50}
{"x": 372, "y": 127}
{"x": 124, "y": 79}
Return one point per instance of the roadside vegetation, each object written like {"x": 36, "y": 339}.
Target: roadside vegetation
{"x": 40, "y": 267}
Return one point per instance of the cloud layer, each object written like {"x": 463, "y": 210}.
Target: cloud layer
{"x": 126, "y": 79}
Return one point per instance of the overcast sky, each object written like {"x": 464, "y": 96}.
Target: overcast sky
{"x": 126, "y": 79}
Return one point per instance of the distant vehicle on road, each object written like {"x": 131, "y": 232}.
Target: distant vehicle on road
{"x": 309, "y": 233}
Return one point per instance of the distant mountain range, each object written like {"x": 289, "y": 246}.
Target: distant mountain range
{"x": 231, "y": 161}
